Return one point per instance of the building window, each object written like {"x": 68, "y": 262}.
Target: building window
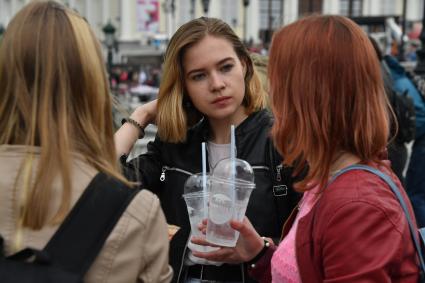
{"x": 390, "y": 7}
{"x": 270, "y": 17}
{"x": 351, "y": 8}
{"x": 271, "y": 12}
{"x": 306, "y": 7}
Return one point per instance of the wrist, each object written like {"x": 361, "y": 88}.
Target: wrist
{"x": 141, "y": 116}
{"x": 136, "y": 125}
{"x": 266, "y": 245}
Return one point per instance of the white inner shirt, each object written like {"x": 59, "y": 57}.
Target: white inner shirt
{"x": 217, "y": 152}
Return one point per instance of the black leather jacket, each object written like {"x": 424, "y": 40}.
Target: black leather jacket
{"x": 166, "y": 166}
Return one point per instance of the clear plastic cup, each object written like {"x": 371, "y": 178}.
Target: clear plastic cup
{"x": 231, "y": 186}
{"x": 196, "y": 199}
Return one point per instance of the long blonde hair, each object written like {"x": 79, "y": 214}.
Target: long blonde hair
{"x": 54, "y": 95}
{"x": 173, "y": 117}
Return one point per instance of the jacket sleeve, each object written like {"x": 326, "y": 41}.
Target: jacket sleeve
{"x": 261, "y": 270}
{"x": 155, "y": 246}
{"x": 360, "y": 243}
{"x": 145, "y": 168}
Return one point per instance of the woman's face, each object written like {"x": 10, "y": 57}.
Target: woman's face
{"x": 214, "y": 79}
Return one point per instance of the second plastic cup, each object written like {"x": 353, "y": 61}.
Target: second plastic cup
{"x": 196, "y": 199}
{"x": 231, "y": 187}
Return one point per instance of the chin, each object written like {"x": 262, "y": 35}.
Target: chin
{"x": 222, "y": 114}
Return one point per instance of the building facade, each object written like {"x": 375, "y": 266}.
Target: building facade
{"x": 142, "y": 23}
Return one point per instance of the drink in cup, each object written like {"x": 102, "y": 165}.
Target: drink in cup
{"x": 196, "y": 199}
{"x": 231, "y": 185}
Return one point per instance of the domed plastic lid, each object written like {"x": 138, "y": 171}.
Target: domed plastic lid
{"x": 194, "y": 183}
{"x": 243, "y": 172}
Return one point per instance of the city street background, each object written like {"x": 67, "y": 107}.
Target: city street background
{"x": 135, "y": 33}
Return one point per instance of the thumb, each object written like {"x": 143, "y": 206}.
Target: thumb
{"x": 237, "y": 225}
{"x": 245, "y": 227}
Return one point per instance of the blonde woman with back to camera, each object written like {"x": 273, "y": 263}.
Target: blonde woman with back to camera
{"x": 56, "y": 134}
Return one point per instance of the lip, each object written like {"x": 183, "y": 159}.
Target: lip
{"x": 221, "y": 100}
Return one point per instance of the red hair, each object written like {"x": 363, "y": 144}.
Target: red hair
{"x": 327, "y": 95}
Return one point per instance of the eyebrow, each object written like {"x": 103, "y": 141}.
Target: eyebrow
{"x": 218, "y": 63}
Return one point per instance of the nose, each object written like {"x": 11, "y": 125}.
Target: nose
{"x": 216, "y": 82}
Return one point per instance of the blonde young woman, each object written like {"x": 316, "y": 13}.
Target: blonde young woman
{"x": 56, "y": 135}
{"x": 208, "y": 84}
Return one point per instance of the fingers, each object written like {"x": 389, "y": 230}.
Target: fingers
{"x": 245, "y": 227}
{"x": 225, "y": 255}
{"x": 202, "y": 227}
{"x": 202, "y": 241}
{"x": 237, "y": 225}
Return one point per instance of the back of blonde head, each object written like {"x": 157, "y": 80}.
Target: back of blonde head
{"x": 54, "y": 95}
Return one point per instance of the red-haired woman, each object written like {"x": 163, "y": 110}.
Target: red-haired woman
{"x": 331, "y": 112}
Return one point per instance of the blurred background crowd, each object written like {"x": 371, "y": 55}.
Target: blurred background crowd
{"x": 135, "y": 33}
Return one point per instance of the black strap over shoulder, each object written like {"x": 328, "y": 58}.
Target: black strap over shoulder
{"x": 81, "y": 236}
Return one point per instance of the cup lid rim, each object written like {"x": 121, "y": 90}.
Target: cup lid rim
{"x": 238, "y": 182}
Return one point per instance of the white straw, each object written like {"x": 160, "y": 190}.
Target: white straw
{"x": 232, "y": 158}
{"x": 204, "y": 178}
{"x": 232, "y": 143}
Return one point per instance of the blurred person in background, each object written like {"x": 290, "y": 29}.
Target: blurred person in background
{"x": 403, "y": 127}
{"x": 409, "y": 107}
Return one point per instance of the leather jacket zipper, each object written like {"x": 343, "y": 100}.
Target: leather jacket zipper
{"x": 278, "y": 174}
{"x": 166, "y": 168}
{"x": 278, "y": 170}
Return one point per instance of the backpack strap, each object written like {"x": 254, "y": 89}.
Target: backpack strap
{"x": 397, "y": 193}
{"x": 81, "y": 236}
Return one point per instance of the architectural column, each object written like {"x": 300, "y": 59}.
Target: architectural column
{"x": 5, "y": 12}
{"x": 126, "y": 19}
{"x": 106, "y": 14}
{"x": 14, "y": 7}
{"x": 72, "y": 4}
{"x": 167, "y": 14}
{"x": 290, "y": 10}
{"x": 253, "y": 18}
{"x": 89, "y": 12}
{"x": 414, "y": 10}
{"x": 371, "y": 8}
{"x": 215, "y": 9}
{"x": 331, "y": 7}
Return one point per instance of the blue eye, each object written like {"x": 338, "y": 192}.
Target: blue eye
{"x": 227, "y": 68}
{"x": 198, "y": 77}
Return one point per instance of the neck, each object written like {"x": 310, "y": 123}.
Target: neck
{"x": 342, "y": 160}
{"x": 220, "y": 128}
